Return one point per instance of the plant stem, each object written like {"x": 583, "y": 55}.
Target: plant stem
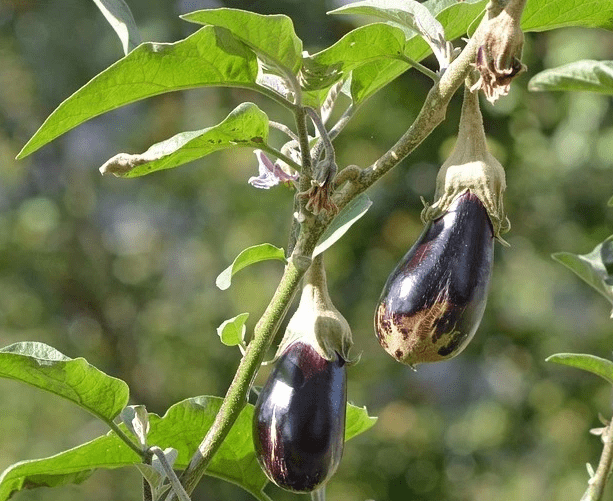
{"x": 236, "y": 397}
{"x": 598, "y": 482}
{"x": 421, "y": 68}
{"x": 172, "y": 476}
{"x": 431, "y": 115}
{"x": 119, "y": 432}
{"x": 281, "y": 156}
{"x": 283, "y": 128}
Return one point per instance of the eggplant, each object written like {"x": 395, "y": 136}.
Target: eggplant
{"x": 299, "y": 419}
{"x": 433, "y": 301}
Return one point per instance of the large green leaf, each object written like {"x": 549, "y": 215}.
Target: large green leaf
{"x": 358, "y": 47}
{"x": 593, "y": 76}
{"x": 248, "y": 256}
{"x": 595, "y": 268}
{"x": 272, "y": 37}
{"x": 456, "y": 17}
{"x": 182, "y": 428}
{"x": 246, "y": 125}
{"x": 542, "y": 15}
{"x": 119, "y": 16}
{"x": 211, "y": 56}
{"x": 44, "y": 367}
{"x": 596, "y": 365}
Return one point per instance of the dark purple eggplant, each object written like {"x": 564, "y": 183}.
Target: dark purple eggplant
{"x": 299, "y": 419}
{"x": 433, "y": 302}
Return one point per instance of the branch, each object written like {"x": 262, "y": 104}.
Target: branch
{"x": 236, "y": 397}
{"x": 312, "y": 227}
{"x": 430, "y": 116}
{"x": 598, "y": 482}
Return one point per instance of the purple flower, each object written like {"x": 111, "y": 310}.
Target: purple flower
{"x": 270, "y": 174}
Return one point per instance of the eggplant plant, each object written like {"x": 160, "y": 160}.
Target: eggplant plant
{"x": 432, "y": 302}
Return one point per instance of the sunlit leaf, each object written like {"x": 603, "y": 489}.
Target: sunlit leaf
{"x": 246, "y": 125}
{"x": 593, "y": 76}
{"x": 232, "y": 331}
{"x": 250, "y": 255}
{"x": 542, "y": 15}
{"x": 409, "y": 15}
{"x": 596, "y": 365}
{"x": 119, "y": 16}
{"x": 272, "y": 37}
{"x": 182, "y": 427}
{"x": 357, "y": 421}
{"x": 209, "y": 57}
{"x": 44, "y": 367}
{"x": 595, "y": 268}
{"x": 356, "y": 48}
{"x": 353, "y": 211}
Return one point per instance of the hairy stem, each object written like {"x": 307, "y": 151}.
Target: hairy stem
{"x": 236, "y": 397}
{"x": 312, "y": 227}
{"x": 598, "y": 482}
{"x": 172, "y": 476}
{"x": 430, "y": 116}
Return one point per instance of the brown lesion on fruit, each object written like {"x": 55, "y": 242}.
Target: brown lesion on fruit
{"x": 416, "y": 338}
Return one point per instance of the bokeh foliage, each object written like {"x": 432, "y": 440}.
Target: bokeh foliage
{"x": 122, "y": 272}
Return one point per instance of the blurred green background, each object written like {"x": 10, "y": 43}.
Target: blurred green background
{"x": 122, "y": 272}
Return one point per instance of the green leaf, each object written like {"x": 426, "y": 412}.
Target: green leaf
{"x": 119, "y": 16}
{"x": 370, "y": 78}
{"x": 353, "y": 211}
{"x": 250, "y": 255}
{"x": 542, "y": 15}
{"x": 358, "y": 47}
{"x": 596, "y": 365}
{"x": 272, "y": 37}
{"x": 357, "y": 421}
{"x": 232, "y": 331}
{"x": 595, "y": 268}
{"x": 412, "y": 16}
{"x": 211, "y": 56}
{"x": 246, "y": 125}
{"x": 593, "y": 76}
{"x": 44, "y": 367}
{"x": 610, "y": 202}
{"x": 182, "y": 427}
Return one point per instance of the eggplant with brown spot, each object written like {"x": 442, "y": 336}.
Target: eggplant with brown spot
{"x": 433, "y": 302}
{"x": 299, "y": 419}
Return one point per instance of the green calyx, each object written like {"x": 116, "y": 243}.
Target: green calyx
{"x": 317, "y": 321}
{"x": 471, "y": 167}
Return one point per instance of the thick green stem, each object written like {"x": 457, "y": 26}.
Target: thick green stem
{"x": 312, "y": 227}
{"x": 236, "y": 397}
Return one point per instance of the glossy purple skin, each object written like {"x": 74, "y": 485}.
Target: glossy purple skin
{"x": 433, "y": 302}
{"x": 299, "y": 419}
